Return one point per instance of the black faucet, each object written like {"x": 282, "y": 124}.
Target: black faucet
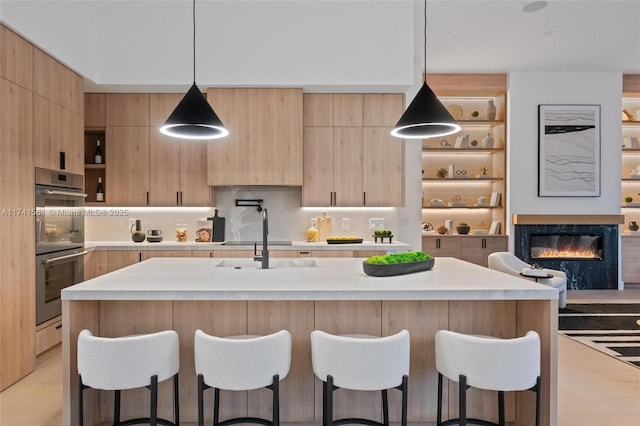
{"x": 264, "y": 255}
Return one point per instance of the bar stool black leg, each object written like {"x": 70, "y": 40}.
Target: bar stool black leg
{"x": 439, "y": 408}
{"x": 501, "y": 408}
{"x": 538, "y": 401}
{"x": 153, "y": 418}
{"x": 80, "y": 402}
{"x": 176, "y": 401}
{"x": 275, "y": 387}
{"x": 116, "y": 408}
{"x": 405, "y": 397}
{"x": 385, "y": 408}
{"x": 216, "y": 406}
{"x": 462, "y": 400}
{"x": 329, "y": 406}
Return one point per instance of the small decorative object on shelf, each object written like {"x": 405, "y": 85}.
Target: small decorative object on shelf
{"x": 475, "y": 115}
{"x": 628, "y": 199}
{"x": 487, "y": 141}
{"x": 398, "y": 264}
{"x": 627, "y": 116}
{"x": 633, "y": 226}
{"x": 442, "y": 173}
{"x": 442, "y": 230}
{"x": 491, "y": 110}
{"x": 463, "y": 228}
{"x": 98, "y": 153}
{"x": 100, "y": 191}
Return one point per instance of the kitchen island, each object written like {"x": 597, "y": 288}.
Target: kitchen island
{"x": 231, "y": 296}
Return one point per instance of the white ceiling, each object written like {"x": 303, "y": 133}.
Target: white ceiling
{"x": 322, "y": 44}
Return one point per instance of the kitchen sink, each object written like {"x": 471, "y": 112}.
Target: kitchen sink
{"x": 259, "y": 243}
{"x": 273, "y": 263}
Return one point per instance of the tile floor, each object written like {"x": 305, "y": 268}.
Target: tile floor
{"x": 593, "y": 389}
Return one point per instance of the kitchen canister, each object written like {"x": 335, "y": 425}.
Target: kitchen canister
{"x": 204, "y": 231}
{"x": 181, "y": 232}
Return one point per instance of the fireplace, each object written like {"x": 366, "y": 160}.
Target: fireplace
{"x": 587, "y": 253}
{"x": 565, "y": 246}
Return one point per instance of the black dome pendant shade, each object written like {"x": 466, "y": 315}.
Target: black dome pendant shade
{"x": 425, "y": 117}
{"x": 194, "y": 118}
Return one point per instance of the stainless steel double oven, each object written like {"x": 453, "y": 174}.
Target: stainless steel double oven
{"x": 59, "y": 222}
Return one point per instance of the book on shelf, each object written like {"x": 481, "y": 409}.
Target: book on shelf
{"x": 495, "y": 228}
{"x": 495, "y": 199}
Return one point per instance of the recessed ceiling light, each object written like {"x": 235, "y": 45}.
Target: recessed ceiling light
{"x": 534, "y": 6}
{"x": 548, "y": 33}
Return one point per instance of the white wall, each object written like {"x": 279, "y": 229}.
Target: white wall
{"x": 527, "y": 90}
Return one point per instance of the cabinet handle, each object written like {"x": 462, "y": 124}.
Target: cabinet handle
{"x": 304, "y": 252}
{"x": 437, "y": 243}
{"x": 147, "y": 197}
{"x": 484, "y": 243}
{"x": 177, "y": 198}
{"x": 364, "y": 198}
{"x": 58, "y": 327}
{"x": 180, "y": 197}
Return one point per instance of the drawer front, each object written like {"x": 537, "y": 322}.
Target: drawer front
{"x": 49, "y": 336}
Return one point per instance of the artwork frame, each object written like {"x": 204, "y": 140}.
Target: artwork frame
{"x": 569, "y": 150}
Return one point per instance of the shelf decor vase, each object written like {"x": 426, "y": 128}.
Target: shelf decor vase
{"x": 633, "y": 226}
{"x": 137, "y": 235}
{"x": 491, "y": 110}
{"x": 463, "y": 229}
{"x": 487, "y": 141}
{"x": 397, "y": 268}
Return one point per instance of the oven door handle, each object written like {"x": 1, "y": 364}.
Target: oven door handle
{"x": 65, "y": 193}
{"x": 68, "y": 256}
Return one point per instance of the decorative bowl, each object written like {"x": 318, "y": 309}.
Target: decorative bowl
{"x": 377, "y": 270}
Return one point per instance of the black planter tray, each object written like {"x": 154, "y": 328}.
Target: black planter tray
{"x": 352, "y": 241}
{"x": 397, "y": 268}
{"x": 382, "y": 237}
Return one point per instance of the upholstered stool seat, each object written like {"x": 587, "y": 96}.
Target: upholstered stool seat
{"x": 241, "y": 363}
{"x": 487, "y": 363}
{"x": 129, "y": 362}
{"x": 509, "y": 263}
{"x": 363, "y": 363}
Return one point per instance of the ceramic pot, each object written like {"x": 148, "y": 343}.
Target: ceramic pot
{"x": 633, "y": 226}
{"x": 491, "y": 110}
{"x": 442, "y": 230}
{"x": 137, "y": 234}
{"x": 487, "y": 141}
{"x": 463, "y": 229}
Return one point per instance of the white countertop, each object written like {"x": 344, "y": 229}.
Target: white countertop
{"x": 331, "y": 279}
{"x": 192, "y": 245}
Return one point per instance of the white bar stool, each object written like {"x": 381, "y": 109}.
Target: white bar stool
{"x": 241, "y": 363}
{"x": 129, "y": 362}
{"x": 491, "y": 363}
{"x": 363, "y": 363}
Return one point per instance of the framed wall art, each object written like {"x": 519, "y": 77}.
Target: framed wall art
{"x": 569, "y": 150}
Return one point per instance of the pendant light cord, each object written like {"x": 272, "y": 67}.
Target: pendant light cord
{"x": 194, "y": 41}
{"x": 424, "y": 76}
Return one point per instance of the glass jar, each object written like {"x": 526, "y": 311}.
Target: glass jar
{"x": 204, "y": 231}
{"x": 181, "y": 232}
{"x": 312, "y": 233}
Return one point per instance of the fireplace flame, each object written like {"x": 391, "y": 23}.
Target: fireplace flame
{"x": 566, "y": 253}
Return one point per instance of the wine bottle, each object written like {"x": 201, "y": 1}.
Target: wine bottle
{"x": 98, "y": 153}
{"x": 100, "y": 190}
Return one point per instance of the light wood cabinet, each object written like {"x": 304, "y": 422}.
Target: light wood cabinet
{"x": 149, "y": 254}
{"x": 177, "y": 168}
{"x": 127, "y": 109}
{"x": 17, "y": 260}
{"x": 346, "y": 163}
{"x": 472, "y": 248}
{"x": 630, "y": 264}
{"x": 17, "y": 58}
{"x": 127, "y": 172}
{"x": 265, "y": 142}
{"x": 48, "y": 335}
{"x": 95, "y": 114}
{"x": 55, "y": 82}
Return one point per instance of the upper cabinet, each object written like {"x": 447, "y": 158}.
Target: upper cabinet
{"x": 140, "y": 165}
{"x": 463, "y": 175}
{"x": 265, "y": 142}
{"x": 350, "y": 158}
{"x": 17, "y": 58}
{"x": 58, "y": 108}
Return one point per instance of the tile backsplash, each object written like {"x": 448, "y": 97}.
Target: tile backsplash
{"x": 287, "y": 220}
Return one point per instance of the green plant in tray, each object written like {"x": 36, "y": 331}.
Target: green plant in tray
{"x": 404, "y": 257}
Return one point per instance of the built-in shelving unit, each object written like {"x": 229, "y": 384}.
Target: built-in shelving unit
{"x": 630, "y": 179}
{"x": 477, "y": 164}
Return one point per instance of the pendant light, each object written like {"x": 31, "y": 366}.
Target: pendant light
{"x": 425, "y": 117}
{"x": 194, "y": 118}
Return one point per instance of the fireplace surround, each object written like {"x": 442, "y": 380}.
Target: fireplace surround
{"x": 586, "y": 252}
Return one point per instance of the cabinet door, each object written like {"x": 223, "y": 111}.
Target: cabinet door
{"x": 265, "y": 142}
{"x": 94, "y": 110}
{"x": 165, "y": 253}
{"x": 449, "y": 246}
{"x": 47, "y": 132}
{"x": 118, "y": 259}
{"x": 430, "y": 245}
{"x": 347, "y": 166}
{"x": 127, "y": 109}
{"x": 382, "y": 110}
{"x": 194, "y": 189}
{"x": 127, "y": 175}
{"x": 492, "y": 245}
{"x": 318, "y": 109}
{"x": 318, "y": 166}
{"x": 630, "y": 264}
{"x": 347, "y": 110}
{"x": 382, "y": 167}
{"x": 164, "y": 169}
{"x": 472, "y": 249}
{"x": 17, "y": 58}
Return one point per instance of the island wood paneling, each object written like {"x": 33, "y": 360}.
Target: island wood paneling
{"x": 265, "y": 317}
{"x": 349, "y": 317}
{"x": 379, "y": 318}
{"x": 228, "y": 318}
